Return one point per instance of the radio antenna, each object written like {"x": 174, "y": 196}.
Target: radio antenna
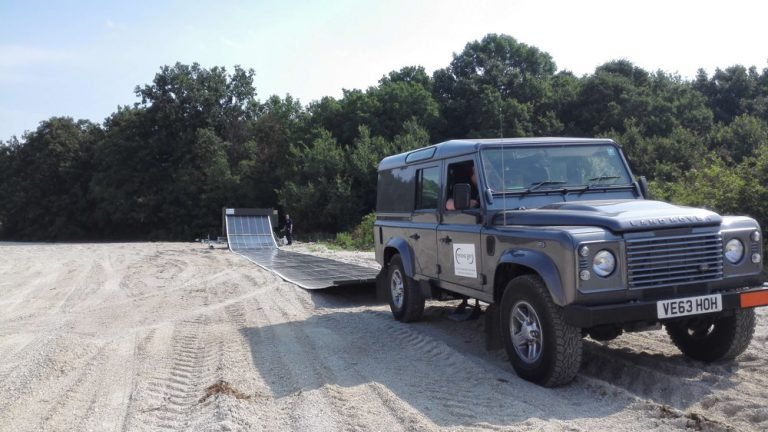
{"x": 503, "y": 183}
{"x": 501, "y": 123}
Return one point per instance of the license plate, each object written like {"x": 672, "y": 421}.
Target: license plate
{"x": 689, "y": 306}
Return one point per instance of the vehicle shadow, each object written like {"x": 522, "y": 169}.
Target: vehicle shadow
{"x": 346, "y": 296}
{"x": 440, "y": 369}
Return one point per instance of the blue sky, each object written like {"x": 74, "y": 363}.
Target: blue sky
{"x": 84, "y": 58}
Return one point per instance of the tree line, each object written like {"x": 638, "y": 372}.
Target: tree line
{"x": 198, "y": 139}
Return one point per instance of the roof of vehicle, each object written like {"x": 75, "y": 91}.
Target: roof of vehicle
{"x": 460, "y": 147}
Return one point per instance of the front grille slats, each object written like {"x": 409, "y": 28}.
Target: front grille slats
{"x": 674, "y": 260}
{"x": 666, "y": 281}
{"x": 671, "y": 273}
{"x": 673, "y": 257}
{"x": 648, "y": 271}
{"x": 675, "y": 246}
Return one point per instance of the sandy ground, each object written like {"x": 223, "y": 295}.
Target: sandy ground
{"x": 174, "y": 336}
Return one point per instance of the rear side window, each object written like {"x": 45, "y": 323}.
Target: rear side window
{"x": 396, "y": 189}
{"x": 427, "y": 188}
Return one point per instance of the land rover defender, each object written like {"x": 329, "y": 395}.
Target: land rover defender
{"x": 559, "y": 239}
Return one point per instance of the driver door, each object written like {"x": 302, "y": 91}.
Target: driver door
{"x": 458, "y": 236}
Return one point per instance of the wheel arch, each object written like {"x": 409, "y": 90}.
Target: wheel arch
{"x": 398, "y": 246}
{"x": 513, "y": 263}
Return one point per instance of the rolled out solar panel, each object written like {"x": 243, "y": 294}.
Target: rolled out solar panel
{"x": 250, "y": 236}
{"x": 250, "y": 232}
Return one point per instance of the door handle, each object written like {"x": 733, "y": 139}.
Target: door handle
{"x": 446, "y": 239}
{"x": 415, "y": 236}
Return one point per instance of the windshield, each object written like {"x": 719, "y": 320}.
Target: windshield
{"x": 521, "y": 169}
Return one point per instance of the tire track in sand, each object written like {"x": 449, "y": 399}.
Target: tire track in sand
{"x": 169, "y": 399}
{"x": 329, "y": 336}
{"x": 641, "y": 364}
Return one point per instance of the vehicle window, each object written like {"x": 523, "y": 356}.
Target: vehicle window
{"x": 395, "y": 187}
{"x": 462, "y": 172}
{"x": 427, "y": 188}
{"x": 420, "y": 155}
{"x": 518, "y": 168}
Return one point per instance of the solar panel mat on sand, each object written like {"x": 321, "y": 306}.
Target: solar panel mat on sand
{"x": 251, "y": 237}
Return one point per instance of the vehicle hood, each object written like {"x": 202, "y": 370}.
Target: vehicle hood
{"x": 615, "y": 215}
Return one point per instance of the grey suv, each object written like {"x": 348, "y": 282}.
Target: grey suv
{"x": 556, "y": 235}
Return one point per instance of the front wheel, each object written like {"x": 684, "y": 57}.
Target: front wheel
{"x": 541, "y": 346}
{"x": 710, "y": 339}
{"x": 405, "y": 301}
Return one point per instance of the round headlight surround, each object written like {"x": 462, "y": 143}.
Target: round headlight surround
{"x": 604, "y": 263}
{"x": 734, "y": 251}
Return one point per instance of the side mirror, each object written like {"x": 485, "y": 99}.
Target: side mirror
{"x": 461, "y": 194}
{"x": 642, "y": 183}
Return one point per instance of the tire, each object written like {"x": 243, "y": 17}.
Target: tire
{"x": 541, "y": 347}
{"x": 405, "y": 300}
{"x": 711, "y": 339}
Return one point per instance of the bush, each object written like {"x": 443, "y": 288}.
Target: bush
{"x": 361, "y": 237}
{"x": 344, "y": 240}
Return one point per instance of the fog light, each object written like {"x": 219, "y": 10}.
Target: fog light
{"x": 585, "y": 275}
{"x": 756, "y": 258}
{"x": 755, "y": 236}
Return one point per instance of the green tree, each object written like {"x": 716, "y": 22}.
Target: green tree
{"x": 734, "y": 91}
{"x": 664, "y": 158}
{"x": 496, "y": 86}
{"x": 735, "y": 190}
{"x": 46, "y": 177}
{"x": 158, "y": 161}
{"x": 364, "y": 159}
{"x": 129, "y": 175}
{"x": 740, "y": 139}
{"x": 403, "y": 96}
{"x": 318, "y": 191}
{"x": 268, "y": 160}
{"x": 412, "y": 137}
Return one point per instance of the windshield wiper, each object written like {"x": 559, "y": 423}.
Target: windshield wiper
{"x": 535, "y": 186}
{"x": 596, "y": 180}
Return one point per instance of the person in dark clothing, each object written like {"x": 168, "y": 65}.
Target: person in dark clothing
{"x": 288, "y": 229}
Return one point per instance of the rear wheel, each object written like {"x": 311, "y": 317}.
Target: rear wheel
{"x": 541, "y": 346}
{"x": 405, "y": 300}
{"x": 710, "y": 339}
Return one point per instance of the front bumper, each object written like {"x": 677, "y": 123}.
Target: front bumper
{"x": 645, "y": 311}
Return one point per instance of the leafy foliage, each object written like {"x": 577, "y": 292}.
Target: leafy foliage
{"x": 45, "y": 181}
{"x": 361, "y": 238}
{"x": 198, "y": 139}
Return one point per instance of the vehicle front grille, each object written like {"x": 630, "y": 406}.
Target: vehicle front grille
{"x": 674, "y": 260}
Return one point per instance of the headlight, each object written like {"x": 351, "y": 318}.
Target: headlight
{"x": 604, "y": 263}
{"x": 734, "y": 251}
